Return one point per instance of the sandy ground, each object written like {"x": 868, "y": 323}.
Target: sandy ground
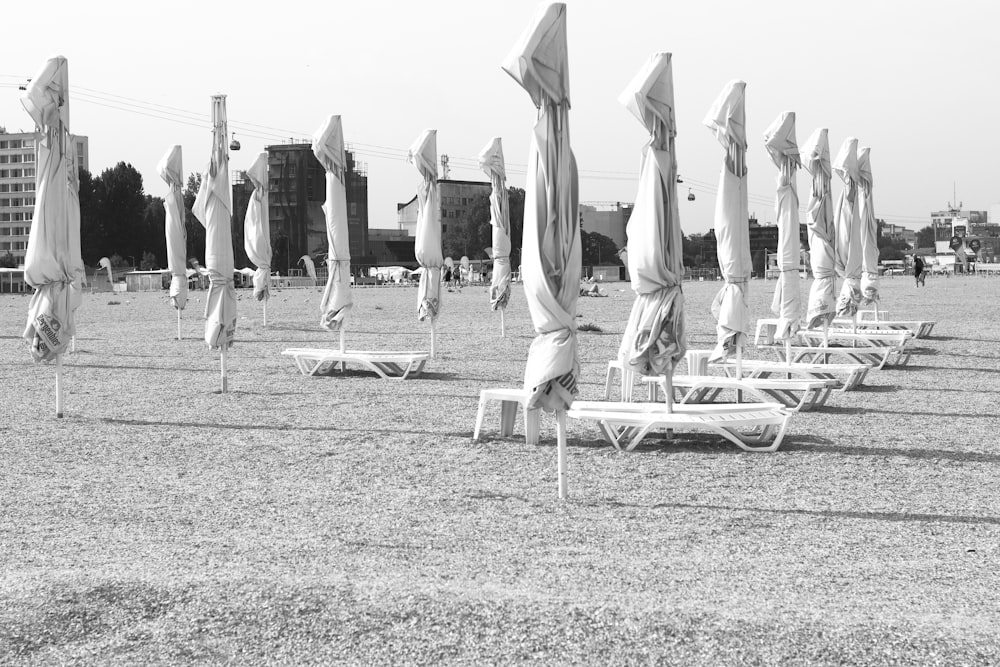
{"x": 353, "y": 519}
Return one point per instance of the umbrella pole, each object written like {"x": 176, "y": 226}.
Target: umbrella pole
{"x": 502, "y": 333}
{"x": 561, "y": 453}
{"x": 59, "y": 386}
{"x": 222, "y": 363}
{"x": 265, "y": 311}
{"x": 178, "y": 324}
{"x": 433, "y": 332}
{"x": 72, "y": 344}
{"x": 668, "y": 386}
{"x": 343, "y": 341}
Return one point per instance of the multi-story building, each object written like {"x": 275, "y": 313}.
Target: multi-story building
{"x": 900, "y": 233}
{"x": 975, "y": 222}
{"x": 457, "y": 200}
{"x": 607, "y": 219}
{"x": 17, "y": 188}
{"x": 296, "y": 194}
{"x": 763, "y": 241}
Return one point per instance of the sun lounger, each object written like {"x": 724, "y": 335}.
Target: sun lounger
{"x": 766, "y": 327}
{"x": 919, "y": 328}
{"x": 510, "y": 400}
{"x": 882, "y": 347}
{"x": 758, "y": 427}
{"x": 388, "y": 365}
{"x": 798, "y": 394}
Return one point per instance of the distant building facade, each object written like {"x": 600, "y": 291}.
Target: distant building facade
{"x": 17, "y": 187}
{"x": 297, "y": 190}
{"x": 606, "y": 219}
{"x": 946, "y": 222}
{"x": 457, "y": 200}
{"x": 763, "y": 241}
{"x": 391, "y": 246}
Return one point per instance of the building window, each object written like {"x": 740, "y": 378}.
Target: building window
{"x": 79, "y": 148}
{"x": 4, "y": 187}
{"x": 14, "y": 187}
{"x": 4, "y": 217}
{"x": 4, "y": 159}
{"x": 15, "y": 143}
{"x": 5, "y": 245}
{"x": 28, "y": 201}
{"x": 4, "y": 203}
{"x": 4, "y": 144}
{"x": 15, "y": 158}
{"x": 444, "y": 228}
{"x": 18, "y": 217}
{"x": 16, "y": 201}
{"x": 15, "y": 173}
{"x": 28, "y": 187}
{"x": 27, "y": 172}
{"x": 354, "y": 208}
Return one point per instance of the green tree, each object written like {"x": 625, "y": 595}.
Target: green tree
{"x": 121, "y": 204}
{"x": 92, "y": 237}
{"x": 153, "y": 236}
{"x": 7, "y": 261}
{"x": 925, "y": 237}
{"x": 472, "y": 234}
{"x": 693, "y": 249}
{"x": 195, "y": 232}
{"x": 598, "y": 249}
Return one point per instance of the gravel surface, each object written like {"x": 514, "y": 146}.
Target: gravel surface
{"x": 350, "y": 519}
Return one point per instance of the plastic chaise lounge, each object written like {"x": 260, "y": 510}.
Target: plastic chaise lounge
{"x": 755, "y": 427}
{"x": 797, "y": 394}
{"x": 388, "y": 365}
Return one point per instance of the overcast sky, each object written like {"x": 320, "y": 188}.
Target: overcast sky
{"x": 916, "y": 81}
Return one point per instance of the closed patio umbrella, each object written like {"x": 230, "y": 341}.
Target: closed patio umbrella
{"x": 257, "y": 231}
{"x": 53, "y": 264}
{"x": 727, "y": 119}
{"x": 654, "y": 335}
{"x": 869, "y": 232}
{"x": 550, "y": 255}
{"x": 427, "y": 242}
{"x": 822, "y": 305}
{"x": 213, "y": 208}
{"x": 491, "y": 161}
{"x": 171, "y": 171}
{"x": 328, "y": 147}
{"x": 848, "y": 224}
{"x": 779, "y": 139}
{"x": 105, "y": 263}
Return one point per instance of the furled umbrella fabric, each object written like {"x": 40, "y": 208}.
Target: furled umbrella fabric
{"x": 822, "y": 305}
{"x": 427, "y": 244}
{"x": 869, "y": 230}
{"x": 310, "y": 265}
{"x": 491, "y": 161}
{"x": 654, "y": 335}
{"x": 779, "y": 139}
{"x": 257, "y": 229}
{"x": 328, "y": 147}
{"x": 550, "y": 255}
{"x": 53, "y": 264}
{"x": 848, "y": 225}
{"x": 213, "y": 208}
{"x": 105, "y": 263}
{"x": 171, "y": 170}
{"x": 727, "y": 119}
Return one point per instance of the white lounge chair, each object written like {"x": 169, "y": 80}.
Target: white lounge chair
{"x": 880, "y": 348}
{"x": 756, "y": 427}
{"x": 867, "y": 321}
{"x": 388, "y": 365}
{"x": 797, "y": 394}
{"x": 848, "y": 375}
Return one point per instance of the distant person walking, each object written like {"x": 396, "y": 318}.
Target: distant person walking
{"x": 918, "y": 271}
